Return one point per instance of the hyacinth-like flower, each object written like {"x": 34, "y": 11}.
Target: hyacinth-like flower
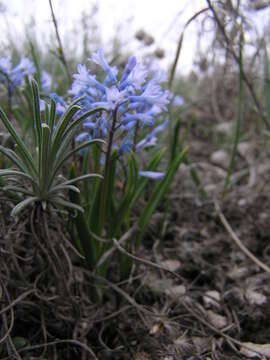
{"x": 46, "y": 86}
{"x": 46, "y": 82}
{"x": 177, "y": 101}
{"x": 5, "y": 67}
{"x": 15, "y": 76}
{"x": 59, "y": 101}
{"x": 134, "y": 98}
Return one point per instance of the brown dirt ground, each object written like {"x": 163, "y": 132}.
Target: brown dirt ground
{"x": 214, "y": 299}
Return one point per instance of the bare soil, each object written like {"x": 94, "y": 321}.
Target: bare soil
{"x": 213, "y": 299}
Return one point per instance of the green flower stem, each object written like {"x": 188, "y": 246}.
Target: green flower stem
{"x": 104, "y": 193}
{"x": 135, "y": 137}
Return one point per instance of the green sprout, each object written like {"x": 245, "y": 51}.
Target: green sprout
{"x": 36, "y": 174}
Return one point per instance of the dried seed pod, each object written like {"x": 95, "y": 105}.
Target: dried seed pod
{"x": 159, "y": 53}
{"x": 148, "y": 40}
{"x": 140, "y": 35}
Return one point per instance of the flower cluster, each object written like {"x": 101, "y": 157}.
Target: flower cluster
{"x": 47, "y": 89}
{"x": 59, "y": 101}
{"x": 135, "y": 96}
{"x": 15, "y": 75}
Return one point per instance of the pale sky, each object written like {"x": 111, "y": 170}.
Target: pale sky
{"x": 164, "y": 19}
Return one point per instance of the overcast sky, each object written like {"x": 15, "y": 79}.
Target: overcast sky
{"x": 164, "y": 19}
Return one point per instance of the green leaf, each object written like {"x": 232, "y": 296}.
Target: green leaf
{"x": 23, "y": 204}
{"x": 52, "y": 115}
{"x": 64, "y": 187}
{"x": 143, "y": 181}
{"x": 85, "y": 238}
{"x": 67, "y": 204}
{"x": 82, "y": 177}
{"x": 23, "y": 151}
{"x": 158, "y": 194}
{"x": 36, "y": 108}
{"x": 63, "y": 156}
{"x": 111, "y": 185}
{"x": 61, "y": 127}
{"x": 125, "y": 202}
{"x": 44, "y": 158}
{"x": 175, "y": 139}
{"x": 8, "y": 173}
{"x": 95, "y": 184}
{"x": 18, "y": 189}
{"x": 35, "y": 58}
{"x": 76, "y": 122}
{"x": 13, "y": 157}
{"x": 85, "y": 170}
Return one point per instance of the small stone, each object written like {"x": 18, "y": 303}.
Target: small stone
{"x": 217, "y": 320}
{"x": 171, "y": 264}
{"x": 221, "y": 158}
{"x": 238, "y": 272}
{"x": 156, "y": 328}
{"x": 211, "y": 299}
{"x": 246, "y": 150}
{"x": 255, "y": 298}
{"x": 252, "y": 350}
{"x": 225, "y": 128}
{"x": 242, "y": 202}
{"x": 176, "y": 291}
{"x": 202, "y": 344}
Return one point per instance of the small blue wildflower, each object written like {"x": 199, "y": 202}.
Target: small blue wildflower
{"x": 114, "y": 97}
{"x": 59, "y": 101}
{"x": 136, "y": 78}
{"x": 23, "y": 68}
{"x": 125, "y": 146}
{"x": 84, "y": 136}
{"x": 129, "y": 67}
{"x": 46, "y": 82}
{"x": 146, "y": 118}
{"x": 136, "y": 96}
{"x": 99, "y": 59}
{"x": 156, "y": 175}
{"x": 5, "y": 66}
{"x": 16, "y": 75}
{"x": 177, "y": 101}
{"x": 151, "y": 138}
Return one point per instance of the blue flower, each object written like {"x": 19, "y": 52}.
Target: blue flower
{"x": 16, "y": 75}
{"x": 46, "y": 82}
{"x": 59, "y": 101}
{"x": 136, "y": 78}
{"x": 23, "y": 68}
{"x": 151, "y": 138}
{"x": 125, "y": 146}
{"x": 5, "y": 65}
{"x": 156, "y": 175}
{"x": 99, "y": 59}
{"x": 136, "y": 96}
{"x": 114, "y": 97}
{"x": 84, "y": 136}
{"x": 129, "y": 67}
{"x": 152, "y": 95}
